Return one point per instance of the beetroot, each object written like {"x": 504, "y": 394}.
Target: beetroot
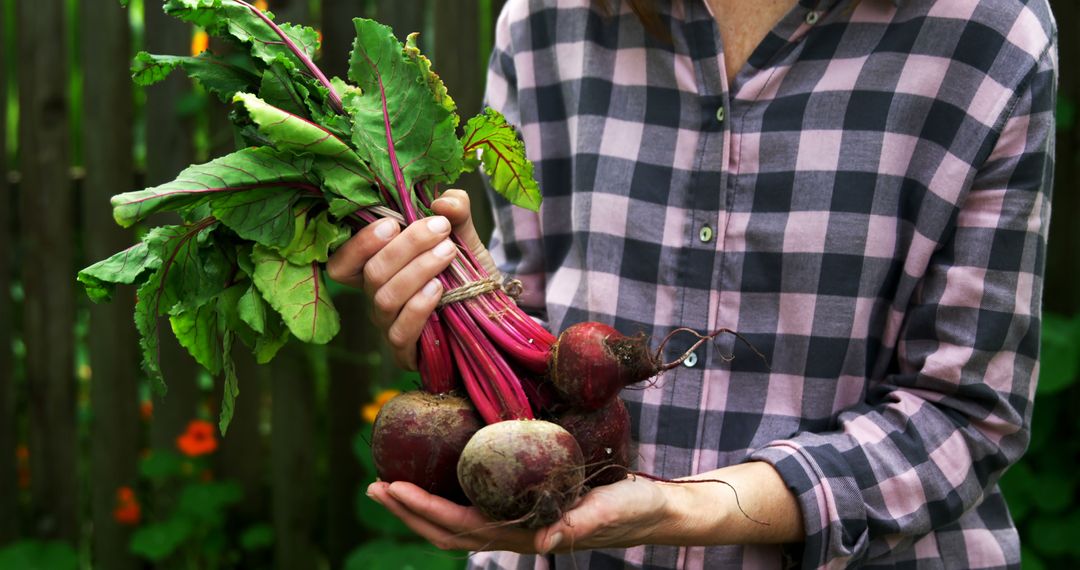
{"x": 591, "y": 362}
{"x": 418, "y": 438}
{"x": 525, "y": 471}
{"x": 604, "y": 437}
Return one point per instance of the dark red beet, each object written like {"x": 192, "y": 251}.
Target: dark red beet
{"x": 526, "y": 471}
{"x": 418, "y": 437}
{"x": 604, "y": 437}
{"x": 591, "y": 362}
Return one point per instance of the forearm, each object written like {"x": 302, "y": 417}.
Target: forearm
{"x": 708, "y": 513}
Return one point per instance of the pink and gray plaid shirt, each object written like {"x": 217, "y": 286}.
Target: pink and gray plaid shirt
{"x": 867, "y": 203}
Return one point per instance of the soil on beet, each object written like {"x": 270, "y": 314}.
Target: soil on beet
{"x": 418, "y": 437}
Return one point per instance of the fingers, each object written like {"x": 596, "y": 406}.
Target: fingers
{"x": 420, "y": 237}
{"x": 406, "y": 328}
{"x": 392, "y": 284}
{"x": 455, "y": 205}
{"x": 347, "y": 263}
{"x": 445, "y": 524}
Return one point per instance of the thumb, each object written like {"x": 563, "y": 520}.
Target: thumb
{"x": 455, "y": 206}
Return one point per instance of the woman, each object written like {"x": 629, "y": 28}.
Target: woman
{"x": 859, "y": 187}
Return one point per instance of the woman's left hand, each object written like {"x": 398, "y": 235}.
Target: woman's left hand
{"x": 628, "y": 513}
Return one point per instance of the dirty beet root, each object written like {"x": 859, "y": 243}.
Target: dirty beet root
{"x": 524, "y": 471}
{"x": 604, "y": 437}
{"x": 592, "y": 361}
{"x": 418, "y": 437}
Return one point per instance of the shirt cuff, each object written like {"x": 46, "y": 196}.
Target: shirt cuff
{"x": 834, "y": 516}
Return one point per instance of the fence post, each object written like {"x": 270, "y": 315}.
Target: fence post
{"x": 169, "y": 149}
{"x": 9, "y": 515}
{"x": 1061, "y": 294}
{"x": 49, "y": 308}
{"x": 107, "y": 142}
{"x": 292, "y": 443}
{"x": 458, "y": 62}
{"x": 350, "y": 378}
{"x": 405, "y": 16}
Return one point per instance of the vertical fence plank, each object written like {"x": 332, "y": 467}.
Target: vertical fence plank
{"x": 350, "y": 380}
{"x": 1062, "y": 295}
{"x": 107, "y": 148}
{"x": 292, "y": 458}
{"x": 8, "y": 505}
{"x": 293, "y": 444}
{"x": 49, "y": 308}
{"x": 169, "y": 149}
{"x": 405, "y": 16}
{"x": 457, "y": 60}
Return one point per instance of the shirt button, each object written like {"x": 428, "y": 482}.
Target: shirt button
{"x": 691, "y": 360}
{"x": 720, "y": 114}
{"x": 705, "y": 235}
{"x": 812, "y": 17}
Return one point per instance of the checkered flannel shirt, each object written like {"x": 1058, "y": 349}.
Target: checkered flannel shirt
{"x": 867, "y": 203}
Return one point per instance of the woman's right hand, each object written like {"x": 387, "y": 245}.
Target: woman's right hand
{"x": 398, "y": 268}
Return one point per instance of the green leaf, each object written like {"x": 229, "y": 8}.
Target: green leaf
{"x": 222, "y": 76}
{"x": 123, "y": 267}
{"x": 434, "y": 82}
{"x": 197, "y": 331}
{"x": 262, "y": 215}
{"x": 291, "y": 132}
{"x": 1060, "y": 353}
{"x": 257, "y": 537}
{"x": 38, "y": 555}
{"x": 157, "y": 541}
{"x": 503, "y": 156}
{"x": 298, "y": 294}
{"x": 244, "y": 24}
{"x": 279, "y": 89}
{"x": 207, "y": 502}
{"x": 270, "y": 342}
{"x": 252, "y": 310}
{"x": 395, "y": 90}
{"x": 146, "y": 322}
{"x": 313, "y": 239}
{"x": 1054, "y": 492}
{"x": 232, "y": 384}
{"x": 385, "y": 554}
{"x": 241, "y": 171}
{"x": 193, "y": 268}
{"x": 160, "y": 464}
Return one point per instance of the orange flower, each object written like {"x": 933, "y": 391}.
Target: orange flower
{"x": 127, "y": 510}
{"x": 22, "y": 465}
{"x": 146, "y": 410}
{"x": 198, "y": 440}
{"x": 261, "y": 4}
{"x": 371, "y": 411}
{"x": 200, "y": 42}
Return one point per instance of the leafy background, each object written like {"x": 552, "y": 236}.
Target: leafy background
{"x": 274, "y": 496}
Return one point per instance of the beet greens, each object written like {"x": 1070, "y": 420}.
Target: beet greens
{"x": 322, "y": 158}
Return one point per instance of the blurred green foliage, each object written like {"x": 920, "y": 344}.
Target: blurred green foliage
{"x": 1042, "y": 488}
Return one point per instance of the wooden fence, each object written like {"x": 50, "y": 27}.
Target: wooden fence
{"x": 47, "y": 231}
{"x": 305, "y": 476}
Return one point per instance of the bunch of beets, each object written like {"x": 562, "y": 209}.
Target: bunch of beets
{"x": 320, "y": 159}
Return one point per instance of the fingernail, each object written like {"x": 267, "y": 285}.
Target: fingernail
{"x": 553, "y": 542}
{"x": 445, "y": 249}
{"x": 438, "y": 224}
{"x": 385, "y": 229}
{"x": 432, "y": 288}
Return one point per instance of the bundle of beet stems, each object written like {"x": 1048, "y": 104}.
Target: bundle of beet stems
{"x": 321, "y": 158}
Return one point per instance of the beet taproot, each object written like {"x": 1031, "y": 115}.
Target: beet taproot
{"x": 604, "y": 438}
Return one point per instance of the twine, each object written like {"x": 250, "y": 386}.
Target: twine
{"x": 474, "y": 289}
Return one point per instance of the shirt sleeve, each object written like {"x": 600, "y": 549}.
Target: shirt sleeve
{"x": 516, "y": 243}
{"x": 931, "y": 440}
